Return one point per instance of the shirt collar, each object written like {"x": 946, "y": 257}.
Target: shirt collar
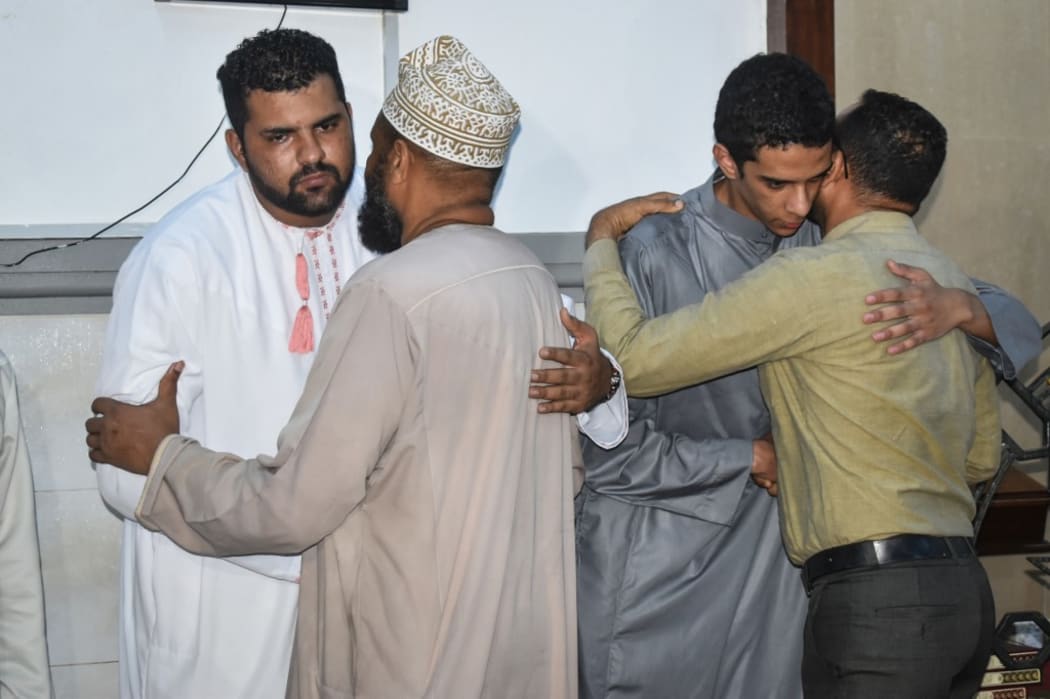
{"x": 874, "y": 222}
{"x": 728, "y": 220}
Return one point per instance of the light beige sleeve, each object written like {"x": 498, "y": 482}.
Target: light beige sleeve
{"x": 758, "y": 318}
{"x": 24, "y": 670}
{"x": 220, "y": 504}
{"x": 983, "y": 460}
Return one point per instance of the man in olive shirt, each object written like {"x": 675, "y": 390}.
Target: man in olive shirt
{"x": 875, "y": 452}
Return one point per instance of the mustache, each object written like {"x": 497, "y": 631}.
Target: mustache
{"x": 313, "y": 170}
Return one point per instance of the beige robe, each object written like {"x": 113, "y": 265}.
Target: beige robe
{"x": 433, "y": 504}
{"x": 24, "y": 672}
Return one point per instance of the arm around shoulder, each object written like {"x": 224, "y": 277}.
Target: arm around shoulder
{"x": 1016, "y": 337}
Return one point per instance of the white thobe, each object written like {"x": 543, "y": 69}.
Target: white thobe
{"x": 23, "y": 651}
{"x": 213, "y": 284}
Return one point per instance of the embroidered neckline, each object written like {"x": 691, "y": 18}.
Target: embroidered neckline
{"x": 302, "y": 337}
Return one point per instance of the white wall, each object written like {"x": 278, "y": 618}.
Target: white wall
{"x": 617, "y": 98}
{"x": 108, "y": 100}
{"x": 111, "y": 98}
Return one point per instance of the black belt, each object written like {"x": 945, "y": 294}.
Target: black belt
{"x": 896, "y": 549}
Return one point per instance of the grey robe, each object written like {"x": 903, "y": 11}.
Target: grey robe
{"x": 684, "y": 587}
{"x": 433, "y": 503}
{"x": 24, "y": 672}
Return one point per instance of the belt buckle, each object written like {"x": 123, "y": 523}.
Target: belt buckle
{"x": 882, "y": 551}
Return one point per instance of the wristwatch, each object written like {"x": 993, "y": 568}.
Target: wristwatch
{"x": 614, "y": 383}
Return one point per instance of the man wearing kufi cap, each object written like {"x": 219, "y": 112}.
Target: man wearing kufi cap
{"x": 436, "y": 525}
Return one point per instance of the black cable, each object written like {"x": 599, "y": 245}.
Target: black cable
{"x": 157, "y": 196}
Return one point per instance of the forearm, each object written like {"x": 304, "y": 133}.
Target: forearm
{"x": 703, "y": 478}
{"x": 606, "y": 424}
{"x": 974, "y": 319}
{"x": 729, "y": 330}
{"x": 1016, "y": 334}
{"x": 217, "y": 504}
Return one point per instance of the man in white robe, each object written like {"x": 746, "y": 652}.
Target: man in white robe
{"x": 220, "y": 284}
{"x": 24, "y": 671}
{"x": 432, "y": 500}
{"x": 215, "y": 283}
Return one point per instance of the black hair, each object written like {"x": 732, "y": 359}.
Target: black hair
{"x": 773, "y": 100}
{"x": 278, "y": 60}
{"x": 893, "y": 147}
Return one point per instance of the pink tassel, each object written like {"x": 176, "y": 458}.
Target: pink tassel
{"x": 302, "y": 284}
{"x": 302, "y": 340}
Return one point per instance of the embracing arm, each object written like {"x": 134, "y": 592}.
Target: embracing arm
{"x": 582, "y": 385}
{"x": 757, "y": 318}
{"x": 219, "y": 504}
{"x": 699, "y": 477}
{"x": 998, "y": 325}
{"x": 1015, "y": 338}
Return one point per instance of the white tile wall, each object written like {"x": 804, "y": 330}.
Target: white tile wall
{"x": 79, "y": 539}
{"x": 56, "y": 362}
{"x": 97, "y": 681}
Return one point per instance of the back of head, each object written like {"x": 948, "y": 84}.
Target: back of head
{"x": 894, "y": 148}
{"x": 279, "y": 60}
{"x": 773, "y": 100}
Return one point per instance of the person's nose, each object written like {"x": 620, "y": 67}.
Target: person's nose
{"x": 799, "y": 201}
{"x": 310, "y": 149}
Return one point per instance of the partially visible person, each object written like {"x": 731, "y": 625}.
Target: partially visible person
{"x": 24, "y": 670}
{"x": 876, "y": 453}
{"x": 679, "y": 549}
{"x": 432, "y": 503}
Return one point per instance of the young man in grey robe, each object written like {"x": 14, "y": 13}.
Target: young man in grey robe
{"x": 684, "y": 586}
{"x": 432, "y": 503}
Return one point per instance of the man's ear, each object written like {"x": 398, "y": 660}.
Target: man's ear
{"x": 838, "y": 167}
{"x": 725, "y": 162}
{"x": 398, "y": 162}
{"x": 236, "y": 147}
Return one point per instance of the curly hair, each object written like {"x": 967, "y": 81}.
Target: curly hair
{"x": 893, "y": 147}
{"x": 773, "y": 100}
{"x": 279, "y": 60}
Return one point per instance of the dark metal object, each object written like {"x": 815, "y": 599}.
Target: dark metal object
{"x": 1025, "y": 503}
{"x": 1002, "y": 646}
{"x": 395, "y": 5}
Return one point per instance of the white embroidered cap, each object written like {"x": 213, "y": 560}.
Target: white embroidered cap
{"x": 449, "y": 104}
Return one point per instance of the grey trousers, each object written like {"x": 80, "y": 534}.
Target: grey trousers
{"x": 921, "y": 629}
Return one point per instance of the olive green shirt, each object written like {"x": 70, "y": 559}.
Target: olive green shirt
{"x": 869, "y": 445}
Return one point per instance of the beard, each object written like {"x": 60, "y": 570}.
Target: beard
{"x": 378, "y": 223}
{"x": 302, "y": 203}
